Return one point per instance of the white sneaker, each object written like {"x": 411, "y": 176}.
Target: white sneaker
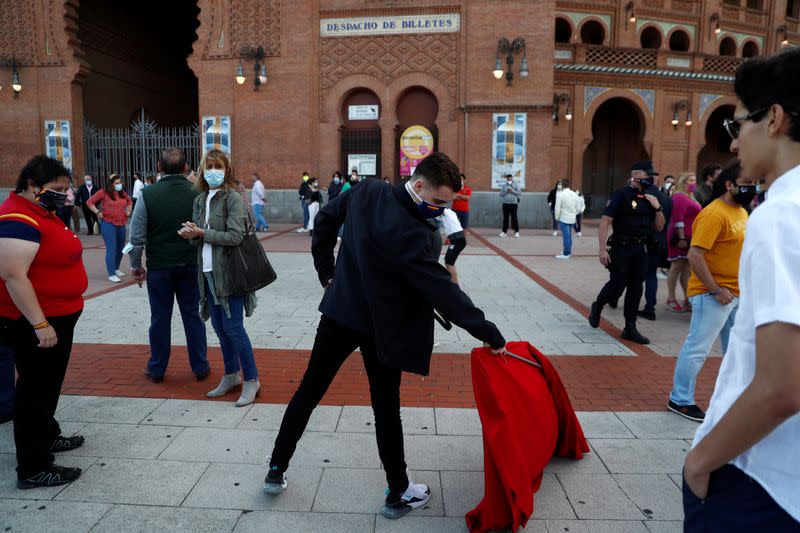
{"x": 516, "y": 235}
{"x": 555, "y": 234}
{"x": 660, "y": 274}
{"x": 415, "y": 496}
{"x": 120, "y": 273}
{"x": 302, "y": 230}
{"x": 503, "y": 234}
{"x": 579, "y": 234}
{"x": 562, "y": 256}
{"x": 114, "y": 279}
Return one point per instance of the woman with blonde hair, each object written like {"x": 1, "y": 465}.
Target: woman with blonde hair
{"x": 679, "y": 236}
{"x": 220, "y": 222}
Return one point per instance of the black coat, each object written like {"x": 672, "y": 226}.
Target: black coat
{"x": 387, "y": 278}
{"x": 83, "y": 194}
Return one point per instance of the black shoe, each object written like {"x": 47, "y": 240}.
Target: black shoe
{"x": 203, "y": 375}
{"x": 51, "y": 476}
{"x": 275, "y": 482}
{"x": 594, "y": 315}
{"x": 632, "y": 334}
{"x": 65, "y": 444}
{"x": 151, "y": 377}
{"x": 613, "y": 305}
{"x": 647, "y": 315}
{"x": 692, "y": 412}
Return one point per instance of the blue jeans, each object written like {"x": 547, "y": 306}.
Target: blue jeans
{"x": 463, "y": 218}
{"x": 114, "y": 237}
{"x": 237, "y": 352}
{"x": 709, "y": 319}
{"x": 261, "y": 222}
{"x": 566, "y": 236}
{"x": 7, "y": 387}
{"x": 735, "y": 502}
{"x": 164, "y": 286}
{"x": 306, "y": 217}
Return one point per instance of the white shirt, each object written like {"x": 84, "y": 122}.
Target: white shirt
{"x": 258, "y": 193}
{"x": 137, "y": 189}
{"x": 769, "y": 284}
{"x": 450, "y": 223}
{"x": 313, "y": 209}
{"x": 208, "y": 258}
{"x": 567, "y": 206}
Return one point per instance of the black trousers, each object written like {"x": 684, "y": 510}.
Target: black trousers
{"x": 333, "y": 345}
{"x": 628, "y": 270}
{"x": 65, "y": 214}
{"x": 90, "y": 217}
{"x": 510, "y": 211}
{"x": 40, "y": 376}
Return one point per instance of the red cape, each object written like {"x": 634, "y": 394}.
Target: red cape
{"x": 527, "y": 418}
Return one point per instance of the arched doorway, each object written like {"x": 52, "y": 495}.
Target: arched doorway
{"x": 618, "y": 142}
{"x": 718, "y": 142}
{"x": 417, "y": 106}
{"x": 360, "y": 134}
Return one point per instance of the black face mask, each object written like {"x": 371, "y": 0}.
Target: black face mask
{"x": 51, "y": 200}
{"x": 647, "y": 182}
{"x": 745, "y": 195}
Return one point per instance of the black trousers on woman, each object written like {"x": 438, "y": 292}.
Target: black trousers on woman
{"x": 510, "y": 211}
{"x": 333, "y": 345}
{"x": 40, "y": 375}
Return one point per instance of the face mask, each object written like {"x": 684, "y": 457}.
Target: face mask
{"x": 88, "y": 183}
{"x": 51, "y": 200}
{"x": 745, "y": 195}
{"x": 560, "y": 187}
{"x": 305, "y": 177}
{"x": 336, "y": 181}
{"x": 429, "y": 210}
{"x": 118, "y": 187}
{"x": 510, "y": 182}
{"x": 691, "y": 187}
{"x": 667, "y": 186}
{"x": 354, "y": 177}
{"x": 214, "y": 177}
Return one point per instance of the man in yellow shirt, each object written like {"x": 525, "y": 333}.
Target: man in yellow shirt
{"x": 717, "y": 239}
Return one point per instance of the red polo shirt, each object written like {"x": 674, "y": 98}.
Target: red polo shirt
{"x": 462, "y": 205}
{"x": 56, "y": 273}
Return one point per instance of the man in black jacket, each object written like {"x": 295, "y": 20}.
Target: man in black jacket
{"x": 82, "y": 195}
{"x": 381, "y": 297}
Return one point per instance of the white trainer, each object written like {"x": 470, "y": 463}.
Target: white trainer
{"x": 120, "y": 274}
{"x": 114, "y": 279}
{"x": 415, "y": 496}
{"x": 579, "y": 234}
{"x": 562, "y": 256}
{"x": 555, "y": 233}
{"x": 516, "y": 235}
{"x": 503, "y": 234}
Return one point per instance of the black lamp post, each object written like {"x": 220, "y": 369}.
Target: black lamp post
{"x": 517, "y": 46}
{"x": 681, "y": 104}
{"x": 560, "y": 99}
{"x": 259, "y": 68}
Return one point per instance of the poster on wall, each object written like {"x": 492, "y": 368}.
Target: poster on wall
{"x": 508, "y": 148}
{"x": 57, "y": 141}
{"x": 362, "y": 112}
{"x": 416, "y": 144}
{"x": 365, "y": 164}
{"x": 217, "y": 134}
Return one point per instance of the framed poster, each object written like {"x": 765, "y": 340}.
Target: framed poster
{"x": 509, "y": 141}
{"x": 57, "y": 141}
{"x": 216, "y": 133}
{"x": 362, "y": 112}
{"x": 416, "y": 143}
{"x": 365, "y": 164}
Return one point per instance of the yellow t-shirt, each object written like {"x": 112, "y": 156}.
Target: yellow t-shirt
{"x": 719, "y": 228}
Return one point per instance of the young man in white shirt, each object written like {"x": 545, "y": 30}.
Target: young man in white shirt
{"x": 257, "y": 200}
{"x": 566, "y": 212}
{"x": 743, "y": 473}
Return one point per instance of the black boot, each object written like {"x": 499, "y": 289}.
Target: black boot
{"x": 632, "y": 334}
{"x": 594, "y": 314}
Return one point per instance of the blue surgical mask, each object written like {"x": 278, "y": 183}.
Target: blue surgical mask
{"x": 336, "y": 181}
{"x": 429, "y": 210}
{"x": 118, "y": 187}
{"x": 214, "y": 177}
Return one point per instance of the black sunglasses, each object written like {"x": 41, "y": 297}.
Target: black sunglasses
{"x": 734, "y": 125}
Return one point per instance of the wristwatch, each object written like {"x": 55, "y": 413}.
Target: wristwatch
{"x": 716, "y": 291}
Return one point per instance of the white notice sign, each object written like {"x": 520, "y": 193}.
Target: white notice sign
{"x": 365, "y": 164}
{"x": 390, "y": 25}
{"x": 362, "y": 112}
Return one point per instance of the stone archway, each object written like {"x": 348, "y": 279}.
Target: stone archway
{"x": 718, "y": 142}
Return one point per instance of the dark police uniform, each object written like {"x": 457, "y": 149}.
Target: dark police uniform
{"x": 633, "y": 232}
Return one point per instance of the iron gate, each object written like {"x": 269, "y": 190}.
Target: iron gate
{"x": 136, "y": 149}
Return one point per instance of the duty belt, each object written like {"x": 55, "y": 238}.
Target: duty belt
{"x": 627, "y": 240}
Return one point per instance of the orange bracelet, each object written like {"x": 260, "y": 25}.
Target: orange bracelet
{"x": 42, "y": 325}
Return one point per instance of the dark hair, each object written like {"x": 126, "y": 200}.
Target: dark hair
{"x": 462, "y": 176}
{"x": 731, "y": 173}
{"x": 438, "y": 170}
{"x": 136, "y": 175}
{"x": 256, "y": 175}
{"x": 172, "y": 161}
{"x": 109, "y": 188}
{"x": 709, "y": 170}
{"x": 40, "y": 170}
{"x": 764, "y": 81}
{"x": 150, "y": 179}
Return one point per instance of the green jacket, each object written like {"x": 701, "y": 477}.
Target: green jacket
{"x": 226, "y": 227}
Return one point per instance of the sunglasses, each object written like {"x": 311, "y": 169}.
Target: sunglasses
{"x": 734, "y": 125}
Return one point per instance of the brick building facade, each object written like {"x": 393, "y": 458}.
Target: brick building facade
{"x": 620, "y": 70}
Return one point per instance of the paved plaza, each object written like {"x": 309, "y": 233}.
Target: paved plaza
{"x": 160, "y": 457}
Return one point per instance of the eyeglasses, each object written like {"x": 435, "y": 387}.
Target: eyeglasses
{"x": 734, "y": 125}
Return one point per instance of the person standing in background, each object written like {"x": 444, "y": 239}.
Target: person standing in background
{"x": 304, "y": 193}
{"x": 567, "y": 209}
{"x": 461, "y": 203}
{"x": 551, "y": 201}
{"x": 579, "y": 216}
{"x": 335, "y": 187}
{"x": 510, "y": 194}
{"x": 138, "y": 185}
{"x": 65, "y": 213}
{"x": 258, "y": 197}
{"x": 703, "y": 193}
{"x": 679, "y": 236}
{"x": 85, "y": 192}
{"x": 116, "y": 208}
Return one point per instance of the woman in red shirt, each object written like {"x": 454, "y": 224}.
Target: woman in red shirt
{"x": 42, "y": 280}
{"x": 116, "y": 205}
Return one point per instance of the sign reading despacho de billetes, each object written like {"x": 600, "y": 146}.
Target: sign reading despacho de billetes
{"x": 390, "y": 25}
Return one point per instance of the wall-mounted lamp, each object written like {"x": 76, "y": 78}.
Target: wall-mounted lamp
{"x": 782, "y": 33}
{"x": 560, "y": 99}
{"x": 16, "y": 85}
{"x": 714, "y": 25}
{"x": 680, "y": 105}
{"x": 259, "y": 69}
{"x": 509, "y": 49}
{"x": 630, "y": 14}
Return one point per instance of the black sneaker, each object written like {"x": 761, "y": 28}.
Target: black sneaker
{"x": 275, "y": 482}
{"x": 51, "y": 476}
{"x": 65, "y": 444}
{"x": 397, "y": 505}
{"x": 594, "y": 315}
{"x": 692, "y": 412}
{"x": 151, "y": 377}
{"x": 647, "y": 315}
{"x": 203, "y": 375}
{"x": 632, "y": 334}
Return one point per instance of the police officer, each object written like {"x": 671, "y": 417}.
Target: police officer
{"x": 634, "y": 215}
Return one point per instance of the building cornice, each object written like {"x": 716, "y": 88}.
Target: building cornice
{"x": 659, "y": 73}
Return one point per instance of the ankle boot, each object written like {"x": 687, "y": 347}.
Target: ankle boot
{"x": 594, "y": 314}
{"x": 250, "y": 390}
{"x": 632, "y": 334}
{"x": 229, "y": 382}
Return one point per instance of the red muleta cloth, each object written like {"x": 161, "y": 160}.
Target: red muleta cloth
{"x": 527, "y": 418}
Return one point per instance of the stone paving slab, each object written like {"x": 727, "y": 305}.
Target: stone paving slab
{"x": 35, "y": 517}
{"x": 638, "y": 456}
{"x": 196, "y": 413}
{"x": 147, "y": 519}
{"x": 261, "y": 521}
{"x": 269, "y": 416}
{"x": 123, "y": 440}
{"x": 360, "y": 419}
{"x": 109, "y": 409}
